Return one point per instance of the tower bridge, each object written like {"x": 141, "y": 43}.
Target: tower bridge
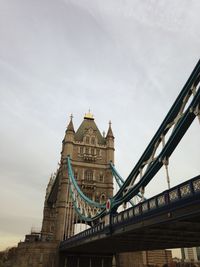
{"x": 81, "y": 192}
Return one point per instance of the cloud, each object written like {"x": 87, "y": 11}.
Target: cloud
{"x": 126, "y": 60}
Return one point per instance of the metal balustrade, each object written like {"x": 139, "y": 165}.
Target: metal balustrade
{"x": 196, "y": 185}
{"x": 175, "y": 194}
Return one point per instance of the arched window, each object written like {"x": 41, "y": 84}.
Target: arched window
{"x": 93, "y": 140}
{"x": 81, "y": 150}
{"x": 101, "y": 177}
{"x": 88, "y": 175}
{"x": 87, "y": 139}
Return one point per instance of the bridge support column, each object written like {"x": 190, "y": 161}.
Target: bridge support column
{"x": 85, "y": 260}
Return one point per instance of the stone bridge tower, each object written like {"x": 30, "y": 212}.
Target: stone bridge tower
{"x": 90, "y": 154}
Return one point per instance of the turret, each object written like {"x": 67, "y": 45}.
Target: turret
{"x": 110, "y": 144}
{"x": 67, "y": 148}
{"x": 90, "y": 153}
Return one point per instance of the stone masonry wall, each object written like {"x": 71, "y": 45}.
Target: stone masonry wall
{"x": 36, "y": 254}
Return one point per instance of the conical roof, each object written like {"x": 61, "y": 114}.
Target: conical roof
{"x": 110, "y": 132}
{"x": 70, "y": 126}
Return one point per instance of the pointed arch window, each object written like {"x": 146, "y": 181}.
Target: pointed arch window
{"x": 93, "y": 140}
{"x": 88, "y": 175}
{"x": 101, "y": 177}
{"x": 92, "y": 151}
{"x": 81, "y": 150}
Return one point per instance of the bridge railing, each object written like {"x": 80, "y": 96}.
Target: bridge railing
{"x": 100, "y": 227}
{"x": 174, "y": 195}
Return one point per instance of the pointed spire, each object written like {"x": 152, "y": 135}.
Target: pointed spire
{"x": 110, "y": 132}
{"x": 70, "y": 126}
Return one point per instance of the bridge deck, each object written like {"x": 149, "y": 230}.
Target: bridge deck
{"x": 168, "y": 220}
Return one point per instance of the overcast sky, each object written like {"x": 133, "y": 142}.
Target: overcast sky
{"x": 125, "y": 60}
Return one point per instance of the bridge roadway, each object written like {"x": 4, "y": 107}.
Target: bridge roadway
{"x": 168, "y": 220}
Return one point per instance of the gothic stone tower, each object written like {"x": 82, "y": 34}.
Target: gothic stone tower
{"x": 90, "y": 154}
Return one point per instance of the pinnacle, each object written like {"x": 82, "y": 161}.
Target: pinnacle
{"x": 70, "y": 126}
{"x": 110, "y": 132}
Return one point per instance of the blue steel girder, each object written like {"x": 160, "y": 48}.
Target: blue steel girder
{"x": 183, "y": 122}
{"x": 120, "y": 181}
{"x": 77, "y": 195}
{"x": 180, "y": 120}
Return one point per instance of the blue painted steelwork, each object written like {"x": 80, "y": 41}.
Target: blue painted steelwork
{"x": 120, "y": 181}
{"x": 77, "y": 209}
{"x": 83, "y": 197}
{"x": 177, "y": 117}
{"x": 174, "y": 197}
{"x": 184, "y": 122}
